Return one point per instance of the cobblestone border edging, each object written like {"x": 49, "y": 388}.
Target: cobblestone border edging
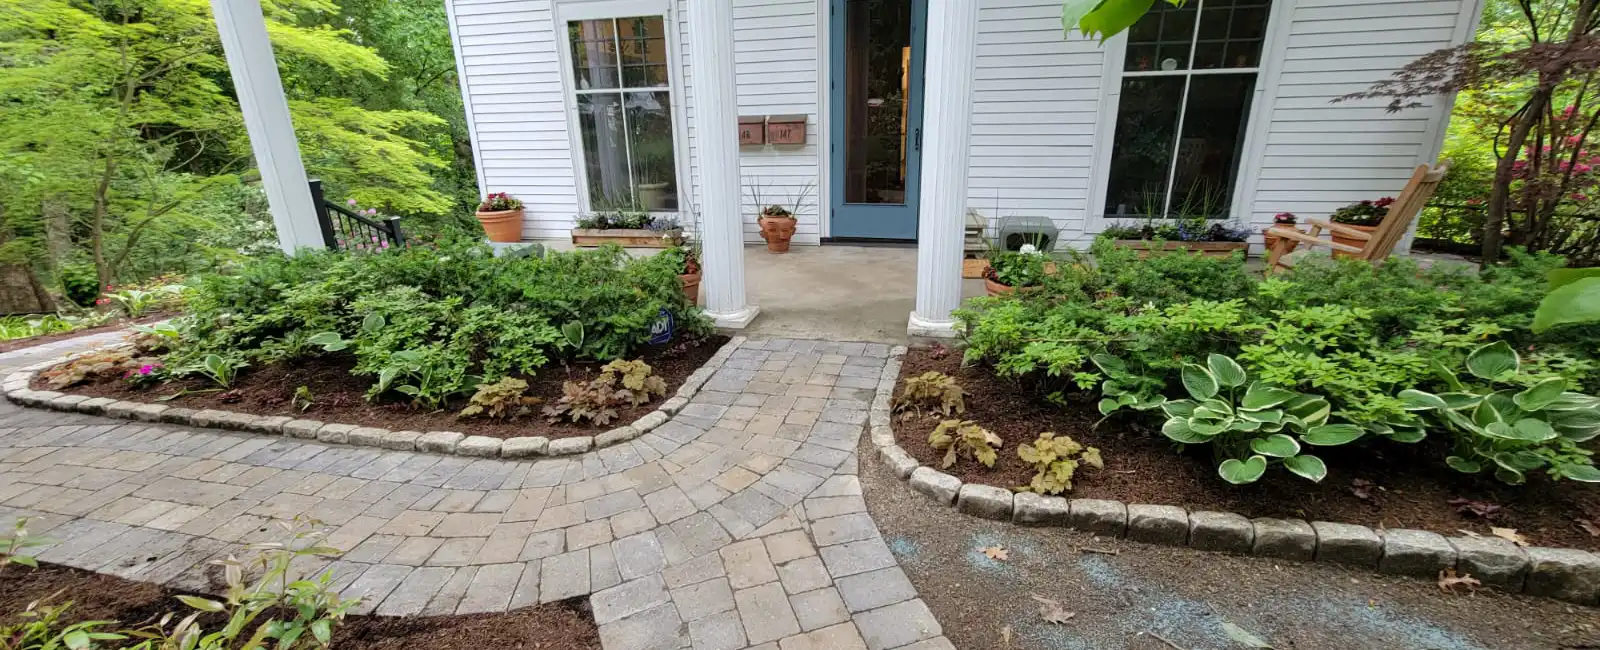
{"x": 15, "y": 388}
{"x": 1571, "y": 575}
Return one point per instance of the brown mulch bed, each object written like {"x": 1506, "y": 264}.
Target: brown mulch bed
{"x": 18, "y": 344}
{"x": 339, "y": 396}
{"x": 565, "y": 625}
{"x": 1382, "y": 486}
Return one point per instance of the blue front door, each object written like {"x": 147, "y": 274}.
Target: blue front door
{"x": 875, "y": 88}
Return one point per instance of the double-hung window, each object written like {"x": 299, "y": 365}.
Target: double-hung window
{"x": 1187, "y": 81}
{"x": 620, "y": 72}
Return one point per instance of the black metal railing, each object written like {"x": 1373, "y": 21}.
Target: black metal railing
{"x": 343, "y": 229}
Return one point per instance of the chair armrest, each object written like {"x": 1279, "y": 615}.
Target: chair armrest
{"x": 1287, "y": 232}
{"x": 1342, "y": 229}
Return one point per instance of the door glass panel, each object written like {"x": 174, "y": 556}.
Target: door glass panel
{"x": 877, "y": 76}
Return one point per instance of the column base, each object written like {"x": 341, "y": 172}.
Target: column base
{"x": 734, "y": 320}
{"x": 936, "y": 329}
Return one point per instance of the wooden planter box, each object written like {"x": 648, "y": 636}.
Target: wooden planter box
{"x": 1206, "y": 248}
{"x": 624, "y": 237}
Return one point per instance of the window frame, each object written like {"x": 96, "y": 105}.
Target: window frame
{"x": 567, "y": 11}
{"x": 1268, "y": 68}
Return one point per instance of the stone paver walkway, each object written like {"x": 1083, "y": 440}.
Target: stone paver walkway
{"x": 738, "y": 524}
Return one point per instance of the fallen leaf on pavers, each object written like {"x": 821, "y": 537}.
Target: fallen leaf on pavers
{"x": 1051, "y": 611}
{"x": 1509, "y": 534}
{"x": 1244, "y": 637}
{"x": 1589, "y": 527}
{"x": 996, "y": 553}
{"x": 1005, "y": 635}
{"x": 1448, "y": 581}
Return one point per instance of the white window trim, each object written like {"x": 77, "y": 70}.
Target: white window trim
{"x": 1279, "y": 18}
{"x": 569, "y": 10}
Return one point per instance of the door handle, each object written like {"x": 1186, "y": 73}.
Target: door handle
{"x": 918, "y": 139}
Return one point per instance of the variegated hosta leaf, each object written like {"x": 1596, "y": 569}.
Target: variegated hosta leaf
{"x": 1540, "y": 395}
{"x": 1308, "y": 466}
{"x": 1416, "y": 400}
{"x": 1262, "y": 396}
{"x": 1225, "y": 370}
{"x": 1240, "y": 472}
{"x": 1178, "y": 430}
{"x": 1275, "y": 446}
{"x": 1178, "y": 408}
{"x": 1198, "y": 381}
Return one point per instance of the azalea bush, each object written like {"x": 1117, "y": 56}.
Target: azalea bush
{"x": 1349, "y": 335}
{"x": 429, "y": 325}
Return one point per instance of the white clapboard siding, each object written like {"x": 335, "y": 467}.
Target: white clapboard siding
{"x": 775, "y": 73}
{"x": 1036, "y": 98}
{"x": 511, "y": 70}
{"x": 1318, "y": 156}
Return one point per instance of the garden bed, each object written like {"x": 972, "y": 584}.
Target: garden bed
{"x": 120, "y": 323}
{"x": 565, "y": 625}
{"x": 1387, "y": 486}
{"x": 339, "y": 396}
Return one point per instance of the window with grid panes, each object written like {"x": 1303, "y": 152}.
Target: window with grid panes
{"x": 624, "y": 99}
{"x": 1187, "y": 82}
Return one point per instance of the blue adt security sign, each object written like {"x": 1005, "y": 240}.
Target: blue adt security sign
{"x": 661, "y": 332}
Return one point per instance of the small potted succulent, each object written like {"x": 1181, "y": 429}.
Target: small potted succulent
{"x": 1279, "y": 219}
{"x": 501, "y": 216}
{"x": 1364, "y": 216}
{"x": 1013, "y": 270}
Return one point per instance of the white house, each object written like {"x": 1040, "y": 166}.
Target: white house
{"x": 913, "y": 111}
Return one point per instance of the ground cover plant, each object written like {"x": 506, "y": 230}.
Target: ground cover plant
{"x": 421, "y": 327}
{"x": 1332, "y": 353}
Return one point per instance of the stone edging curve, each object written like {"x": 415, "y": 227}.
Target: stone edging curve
{"x": 15, "y": 388}
{"x": 1570, "y": 575}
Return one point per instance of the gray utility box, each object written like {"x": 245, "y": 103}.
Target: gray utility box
{"x": 1039, "y": 231}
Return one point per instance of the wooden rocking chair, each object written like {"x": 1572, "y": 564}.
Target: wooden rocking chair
{"x": 1378, "y": 243}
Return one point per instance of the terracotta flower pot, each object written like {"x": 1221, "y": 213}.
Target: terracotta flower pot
{"x": 777, "y": 231}
{"x": 1270, "y": 239}
{"x": 1351, "y": 241}
{"x": 502, "y": 225}
{"x": 997, "y": 289}
{"x": 691, "y": 287}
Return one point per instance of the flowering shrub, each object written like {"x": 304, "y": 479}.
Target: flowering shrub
{"x": 1363, "y": 213}
{"x": 1284, "y": 218}
{"x": 499, "y": 202}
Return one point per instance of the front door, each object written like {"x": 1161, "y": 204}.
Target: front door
{"x": 875, "y": 87}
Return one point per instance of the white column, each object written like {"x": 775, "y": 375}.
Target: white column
{"x": 266, "y": 119}
{"x": 716, "y": 118}
{"x": 946, "y": 137}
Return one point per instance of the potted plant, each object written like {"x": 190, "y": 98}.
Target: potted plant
{"x": 1010, "y": 271}
{"x": 1279, "y": 219}
{"x": 1364, "y": 216}
{"x": 1198, "y": 235}
{"x": 685, "y": 254}
{"x": 501, "y": 216}
{"x": 627, "y": 228}
{"x": 776, "y": 221}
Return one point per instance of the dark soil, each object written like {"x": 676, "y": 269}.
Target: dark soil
{"x": 18, "y": 344}
{"x": 1380, "y": 485}
{"x": 339, "y": 396}
{"x": 1125, "y": 595}
{"x": 565, "y": 625}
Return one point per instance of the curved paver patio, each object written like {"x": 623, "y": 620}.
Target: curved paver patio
{"x": 739, "y": 523}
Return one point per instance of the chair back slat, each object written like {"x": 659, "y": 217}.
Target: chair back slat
{"x": 1405, "y": 209}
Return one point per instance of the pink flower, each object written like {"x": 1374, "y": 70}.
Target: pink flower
{"x": 1474, "y": 201}
{"x": 1582, "y": 168}
{"x": 350, "y": 202}
{"x": 1384, "y": 202}
{"x": 1580, "y": 197}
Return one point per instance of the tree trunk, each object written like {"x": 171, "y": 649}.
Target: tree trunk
{"x": 1500, "y": 193}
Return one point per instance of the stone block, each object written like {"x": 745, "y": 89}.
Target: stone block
{"x": 939, "y": 486}
{"x": 1493, "y": 561}
{"x": 672, "y": 406}
{"x": 1220, "y": 531}
{"x": 179, "y": 415}
{"x": 1347, "y": 544}
{"x": 1030, "y": 509}
{"x": 1285, "y": 539}
{"x": 271, "y": 425}
{"x": 94, "y": 405}
{"x": 882, "y": 435}
{"x": 985, "y": 501}
{"x": 440, "y": 442}
{"x": 479, "y": 446}
{"x": 570, "y": 446}
{"x": 336, "y": 434}
{"x": 402, "y": 440}
{"x": 1099, "y": 516}
{"x": 1567, "y": 574}
{"x": 306, "y": 429}
{"x": 899, "y": 462}
{"x": 118, "y": 409}
{"x": 1153, "y": 524}
{"x": 207, "y": 418}
{"x": 650, "y": 421}
{"x": 149, "y": 412}
{"x": 367, "y": 436}
{"x": 1415, "y": 552}
{"x": 614, "y": 436}
{"x": 523, "y": 447}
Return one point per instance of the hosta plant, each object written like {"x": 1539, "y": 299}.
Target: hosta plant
{"x": 1055, "y": 461}
{"x": 1123, "y": 388}
{"x": 958, "y": 438}
{"x": 506, "y": 399}
{"x": 1505, "y": 425}
{"x": 221, "y": 370}
{"x": 932, "y": 391}
{"x": 1251, "y": 425}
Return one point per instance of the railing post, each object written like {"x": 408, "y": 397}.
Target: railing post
{"x": 395, "y": 235}
{"x": 324, "y": 220}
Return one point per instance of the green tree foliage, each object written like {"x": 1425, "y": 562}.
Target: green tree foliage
{"x": 121, "y": 132}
